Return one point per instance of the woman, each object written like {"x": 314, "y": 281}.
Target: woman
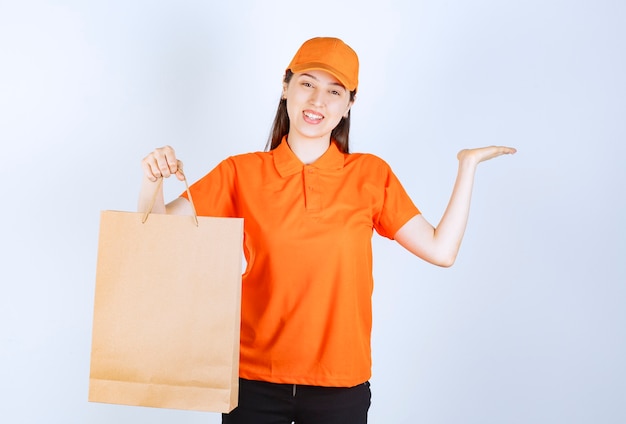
{"x": 309, "y": 209}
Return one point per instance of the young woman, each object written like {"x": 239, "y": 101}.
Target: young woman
{"x": 309, "y": 209}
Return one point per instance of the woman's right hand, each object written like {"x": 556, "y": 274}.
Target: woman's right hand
{"x": 162, "y": 162}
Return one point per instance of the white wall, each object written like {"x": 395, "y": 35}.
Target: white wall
{"x": 527, "y": 327}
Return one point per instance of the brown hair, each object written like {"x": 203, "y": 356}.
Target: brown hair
{"x": 280, "y": 126}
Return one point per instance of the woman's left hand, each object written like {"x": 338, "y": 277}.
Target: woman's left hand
{"x": 482, "y": 154}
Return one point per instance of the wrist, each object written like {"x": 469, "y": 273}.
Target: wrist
{"x": 466, "y": 160}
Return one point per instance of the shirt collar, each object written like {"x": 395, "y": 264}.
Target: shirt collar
{"x": 287, "y": 163}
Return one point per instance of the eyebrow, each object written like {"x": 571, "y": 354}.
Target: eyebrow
{"x": 316, "y": 79}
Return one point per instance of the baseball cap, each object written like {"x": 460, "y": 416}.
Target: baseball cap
{"x": 331, "y": 55}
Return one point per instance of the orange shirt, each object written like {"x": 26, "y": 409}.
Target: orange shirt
{"x": 306, "y": 294}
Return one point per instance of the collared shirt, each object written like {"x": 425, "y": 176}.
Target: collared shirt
{"x": 307, "y": 287}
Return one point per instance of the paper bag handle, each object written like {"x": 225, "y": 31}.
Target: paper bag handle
{"x": 156, "y": 192}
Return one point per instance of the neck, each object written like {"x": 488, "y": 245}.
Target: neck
{"x": 308, "y": 150}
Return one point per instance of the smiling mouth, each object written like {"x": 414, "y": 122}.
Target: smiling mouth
{"x": 313, "y": 116}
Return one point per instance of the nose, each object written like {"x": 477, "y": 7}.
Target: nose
{"x": 317, "y": 98}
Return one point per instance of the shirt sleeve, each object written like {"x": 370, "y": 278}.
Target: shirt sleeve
{"x": 397, "y": 207}
{"x": 214, "y": 194}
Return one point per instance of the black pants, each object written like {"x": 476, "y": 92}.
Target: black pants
{"x": 270, "y": 403}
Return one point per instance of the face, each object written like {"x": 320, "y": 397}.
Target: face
{"x": 316, "y": 102}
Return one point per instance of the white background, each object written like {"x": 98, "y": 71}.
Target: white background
{"x": 527, "y": 327}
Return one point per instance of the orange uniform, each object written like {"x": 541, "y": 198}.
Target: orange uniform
{"x": 306, "y": 295}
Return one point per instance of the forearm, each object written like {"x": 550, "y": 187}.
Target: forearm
{"x": 448, "y": 234}
{"x": 151, "y": 190}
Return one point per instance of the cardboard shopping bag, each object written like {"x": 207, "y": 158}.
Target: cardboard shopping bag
{"x": 167, "y": 311}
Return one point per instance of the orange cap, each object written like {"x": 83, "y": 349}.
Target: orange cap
{"x": 331, "y": 55}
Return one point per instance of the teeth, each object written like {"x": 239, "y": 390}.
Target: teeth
{"x": 312, "y": 115}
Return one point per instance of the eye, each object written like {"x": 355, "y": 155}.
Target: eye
{"x": 335, "y": 93}
{"x": 307, "y": 84}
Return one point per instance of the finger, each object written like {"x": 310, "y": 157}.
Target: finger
{"x": 179, "y": 172}
{"x": 165, "y": 159}
{"x": 160, "y": 156}
{"x": 501, "y": 150}
{"x": 170, "y": 162}
{"x": 150, "y": 168}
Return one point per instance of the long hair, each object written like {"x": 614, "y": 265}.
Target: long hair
{"x": 280, "y": 126}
